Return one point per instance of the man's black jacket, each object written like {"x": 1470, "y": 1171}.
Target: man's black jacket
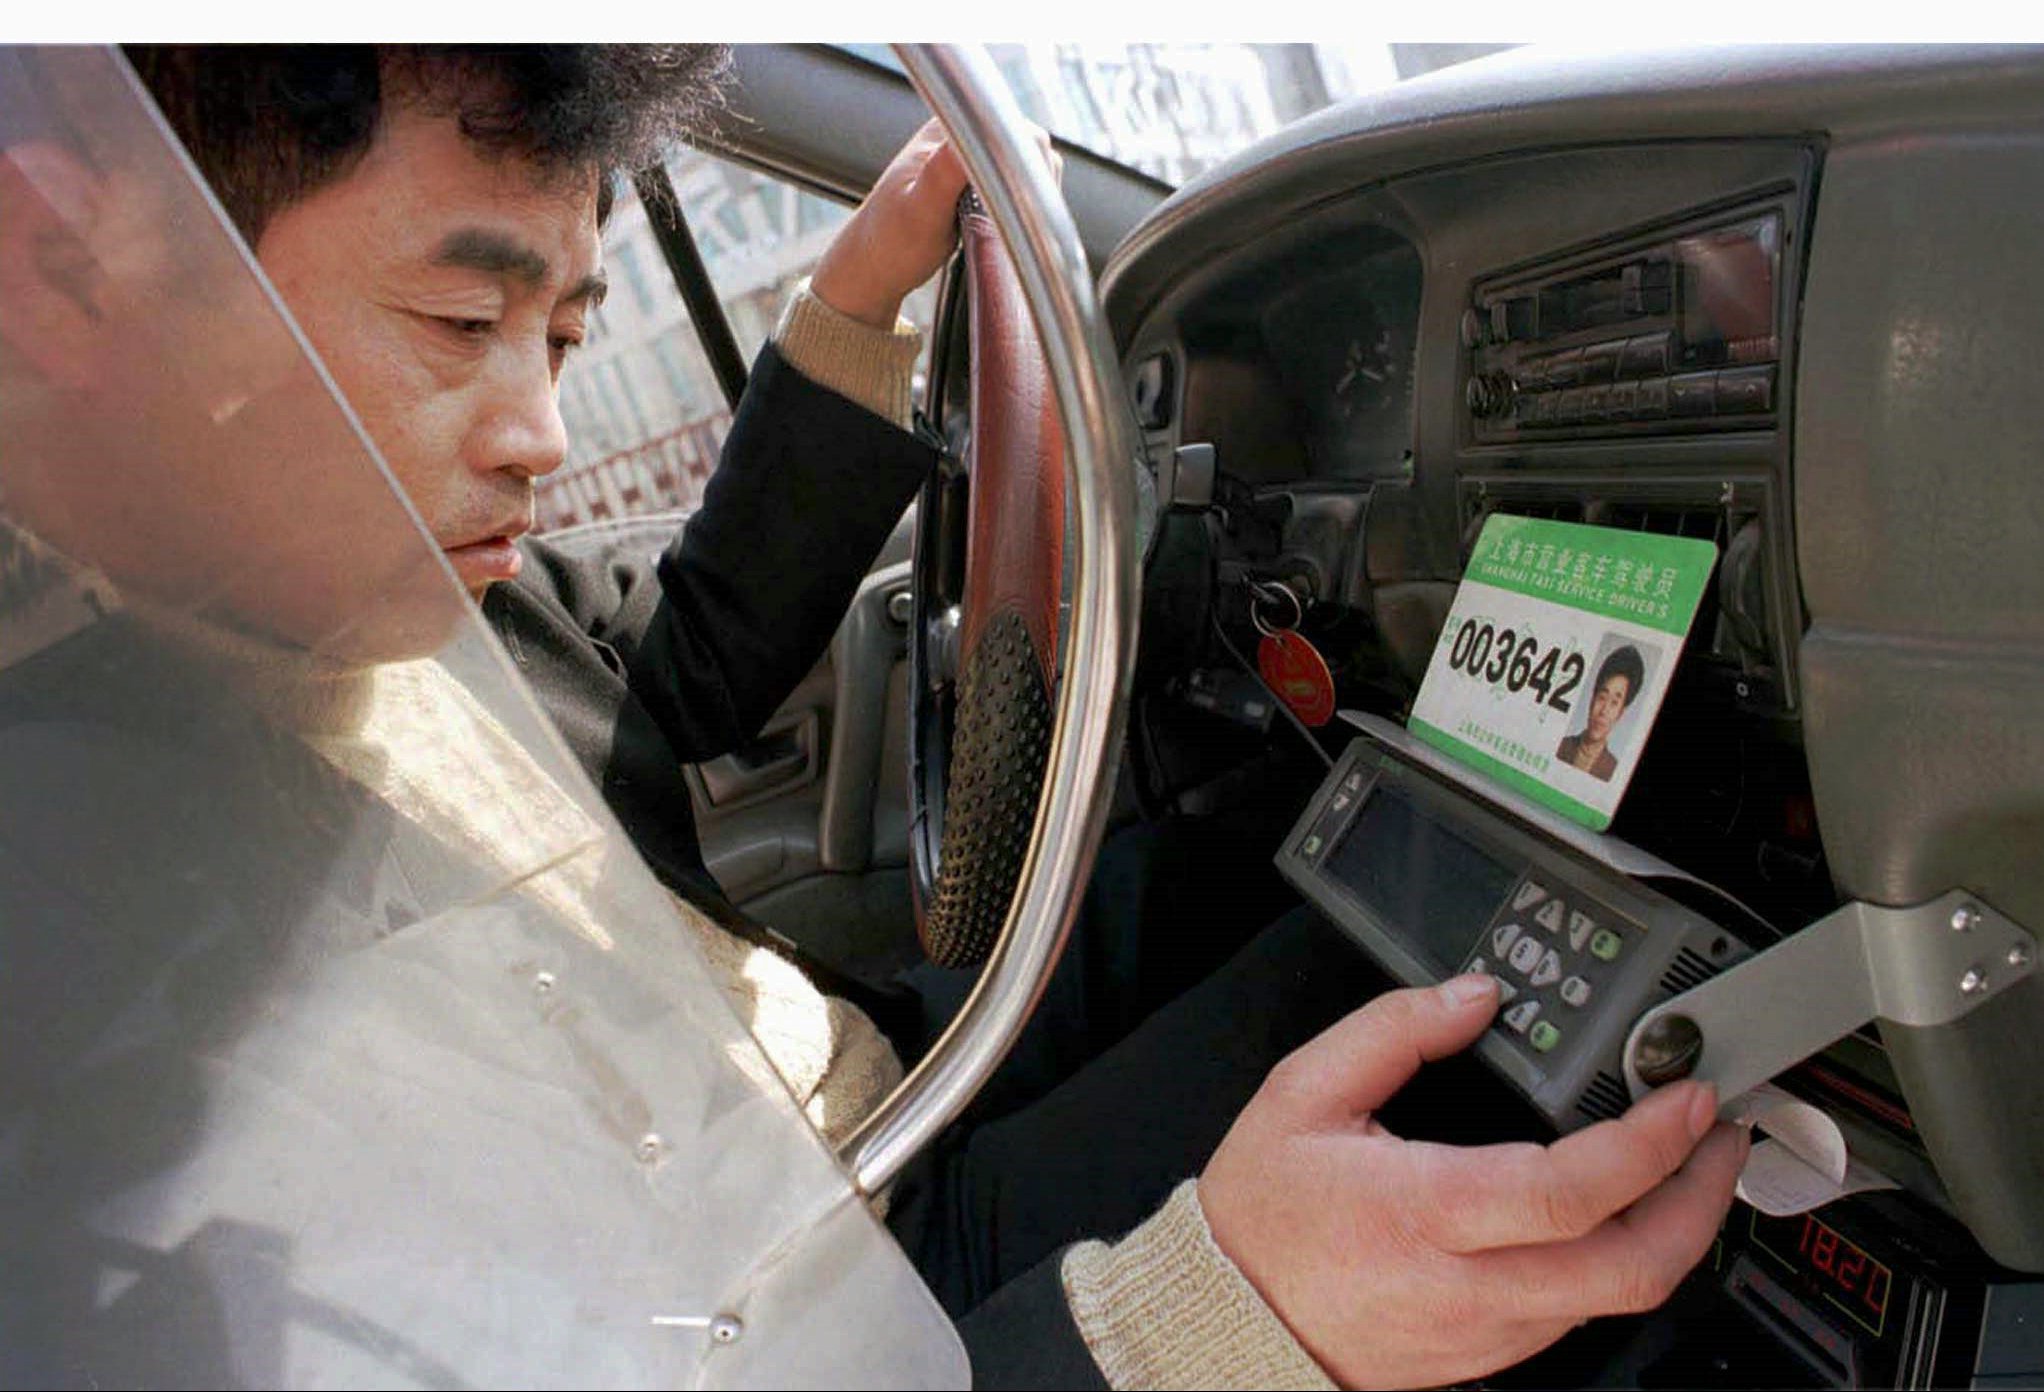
{"x": 648, "y": 666}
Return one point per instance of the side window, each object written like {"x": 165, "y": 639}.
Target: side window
{"x": 759, "y": 235}
{"x": 644, "y": 413}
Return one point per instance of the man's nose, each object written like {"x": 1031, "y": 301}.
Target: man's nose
{"x": 523, "y": 431}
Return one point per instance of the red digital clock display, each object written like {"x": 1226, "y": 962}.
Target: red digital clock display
{"x": 1853, "y": 1280}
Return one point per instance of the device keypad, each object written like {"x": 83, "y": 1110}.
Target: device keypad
{"x": 1551, "y": 950}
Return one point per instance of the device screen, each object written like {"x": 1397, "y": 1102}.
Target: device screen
{"x": 1431, "y": 887}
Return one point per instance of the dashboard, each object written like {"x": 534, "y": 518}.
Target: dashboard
{"x": 1770, "y": 298}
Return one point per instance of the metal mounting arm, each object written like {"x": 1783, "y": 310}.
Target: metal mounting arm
{"x": 1926, "y": 965}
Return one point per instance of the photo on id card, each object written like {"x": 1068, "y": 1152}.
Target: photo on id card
{"x": 1557, "y": 654}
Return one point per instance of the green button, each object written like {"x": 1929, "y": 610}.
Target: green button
{"x": 1543, "y": 1036}
{"x": 1604, "y": 945}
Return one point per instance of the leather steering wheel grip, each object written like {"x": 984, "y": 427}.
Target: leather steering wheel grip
{"x": 1008, "y": 630}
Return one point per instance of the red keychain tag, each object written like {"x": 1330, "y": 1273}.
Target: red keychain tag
{"x": 1295, "y": 670}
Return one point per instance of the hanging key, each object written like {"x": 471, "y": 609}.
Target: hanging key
{"x": 1290, "y": 665}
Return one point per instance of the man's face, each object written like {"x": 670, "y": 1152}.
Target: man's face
{"x": 1608, "y": 705}
{"x": 443, "y": 287}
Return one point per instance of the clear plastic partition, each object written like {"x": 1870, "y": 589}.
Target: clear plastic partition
{"x": 344, "y": 1040}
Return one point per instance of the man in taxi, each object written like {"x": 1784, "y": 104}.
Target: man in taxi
{"x": 432, "y": 219}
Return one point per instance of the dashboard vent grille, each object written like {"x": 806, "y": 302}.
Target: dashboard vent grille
{"x": 1687, "y": 971}
{"x": 1707, "y": 523}
{"x": 1678, "y": 519}
{"x": 1604, "y": 1098}
{"x": 1477, "y": 509}
{"x": 1553, "y": 509}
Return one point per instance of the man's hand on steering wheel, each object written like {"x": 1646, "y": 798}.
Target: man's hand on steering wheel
{"x": 901, "y": 234}
{"x": 1406, "y": 1264}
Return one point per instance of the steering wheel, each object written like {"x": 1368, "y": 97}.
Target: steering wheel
{"x": 1020, "y": 703}
{"x": 983, "y": 659}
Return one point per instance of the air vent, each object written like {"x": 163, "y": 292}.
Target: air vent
{"x": 1476, "y": 508}
{"x": 1705, "y": 523}
{"x": 1604, "y": 1098}
{"x": 1553, "y": 509}
{"x": 1688, "y": 971}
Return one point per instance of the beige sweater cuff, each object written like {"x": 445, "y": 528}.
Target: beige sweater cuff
{"x": 873, "y": 368}
{"x": 1165, "y": 1308}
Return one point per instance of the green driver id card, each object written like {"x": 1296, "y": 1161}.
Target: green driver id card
{"x": 1557, "y": 654}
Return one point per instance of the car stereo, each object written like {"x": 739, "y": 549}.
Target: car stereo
{"x": 1432, "y": 883}
{"x": 1681, "y": 333}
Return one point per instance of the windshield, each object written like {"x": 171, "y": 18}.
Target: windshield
{"x": 1172, "y": 110}
{"x": 347, "y": 1040}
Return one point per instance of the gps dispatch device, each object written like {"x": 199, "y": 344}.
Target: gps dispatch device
{"x": 1432, "y": 882}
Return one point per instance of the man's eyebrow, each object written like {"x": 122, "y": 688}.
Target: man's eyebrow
{"x": 476, "y": 249}
{"x": 493, "y": 253}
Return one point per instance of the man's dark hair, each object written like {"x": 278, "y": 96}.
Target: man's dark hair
{"x": 1623, "y": 662}
{"x": 269, "y": 124}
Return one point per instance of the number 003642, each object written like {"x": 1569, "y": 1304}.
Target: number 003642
{"x": 1516, "y": 661}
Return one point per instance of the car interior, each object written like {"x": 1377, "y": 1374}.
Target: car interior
{"x": 1770, "y": 298}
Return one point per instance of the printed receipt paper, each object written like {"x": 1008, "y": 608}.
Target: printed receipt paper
{"x": 1557, "y": 654}
{"x": 1801, "y": 1161}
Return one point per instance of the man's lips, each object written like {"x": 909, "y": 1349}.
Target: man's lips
{"x": 488, "y": 559}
